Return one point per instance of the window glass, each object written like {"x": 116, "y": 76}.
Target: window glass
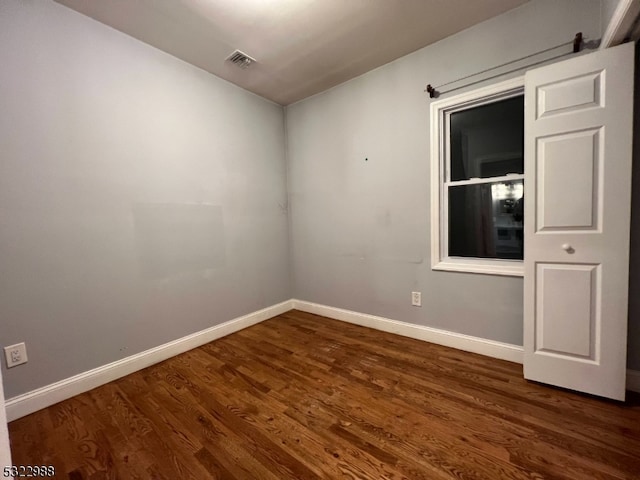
{"x": 485, "y": 220}
{"x": 488, "y": 141}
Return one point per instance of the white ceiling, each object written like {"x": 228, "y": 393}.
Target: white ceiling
{"x": 302, "y": 47}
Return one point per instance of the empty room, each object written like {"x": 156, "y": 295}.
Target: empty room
{"x": 288, "y": 239}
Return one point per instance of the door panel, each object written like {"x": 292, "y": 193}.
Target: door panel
{"x": 557, "y": 332}
{"x": 568, "y": 167}
{"x": 572, "y": 94}
{"x": 578, "y": 125}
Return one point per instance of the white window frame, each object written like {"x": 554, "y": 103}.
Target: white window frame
{"x": 441, "y": 111}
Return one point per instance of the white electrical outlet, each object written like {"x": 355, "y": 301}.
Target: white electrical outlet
{"x": 416, "y": 299}
{"x": 15, "y": 354}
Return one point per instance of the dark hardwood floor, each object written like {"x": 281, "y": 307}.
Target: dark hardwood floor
{"x": 304, "y": 397}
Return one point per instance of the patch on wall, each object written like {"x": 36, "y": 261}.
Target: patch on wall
{"x": 178, "y": 238}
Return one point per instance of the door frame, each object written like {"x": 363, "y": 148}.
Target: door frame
{"x": 625, "y": 23}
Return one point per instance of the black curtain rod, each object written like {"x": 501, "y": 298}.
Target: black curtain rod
{"x": 577, "y": 45}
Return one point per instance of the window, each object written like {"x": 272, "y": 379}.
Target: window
{"x": 477, "y": 180}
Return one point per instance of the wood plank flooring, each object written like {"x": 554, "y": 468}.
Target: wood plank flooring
{"x": 305, "y": 397}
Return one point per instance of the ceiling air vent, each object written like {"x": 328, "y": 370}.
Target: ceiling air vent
{"x": 241, "y": 59}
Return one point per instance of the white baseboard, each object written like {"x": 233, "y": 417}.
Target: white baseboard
{"x": 40, "y": 398}
{"x": 490, "y": 348}
{"x": 633, "y": 380}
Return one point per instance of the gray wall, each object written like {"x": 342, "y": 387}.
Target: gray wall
{"x": 116, "y": 160}
{"x": 359, "y": 180}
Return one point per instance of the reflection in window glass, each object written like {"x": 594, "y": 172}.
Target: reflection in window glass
{"x": 486, "y": 220}
{"x": 488, "y": 141}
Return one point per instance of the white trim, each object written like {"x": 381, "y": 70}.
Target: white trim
{"x": 40, "y": 398}
{"x": 489, "y": 348}
{"x": 622, "y": 24}
{"x": 633, "y": 380}
{"x": 511, "y": 177}
{"x": 5, "y": 445}
{"x": 511, "y": 268}
{"x": 439, "y": 109}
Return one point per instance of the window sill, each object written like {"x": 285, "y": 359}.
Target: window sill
{"x": 511, "y": 268}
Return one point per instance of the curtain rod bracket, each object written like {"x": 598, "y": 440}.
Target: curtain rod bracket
{"x": 577, "y": 42}
{"x": 431, "y": 90}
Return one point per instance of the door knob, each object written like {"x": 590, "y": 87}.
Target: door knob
{"x": 567, "y": 248}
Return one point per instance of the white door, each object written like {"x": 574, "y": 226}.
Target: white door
{"x": 578, "y": 135}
